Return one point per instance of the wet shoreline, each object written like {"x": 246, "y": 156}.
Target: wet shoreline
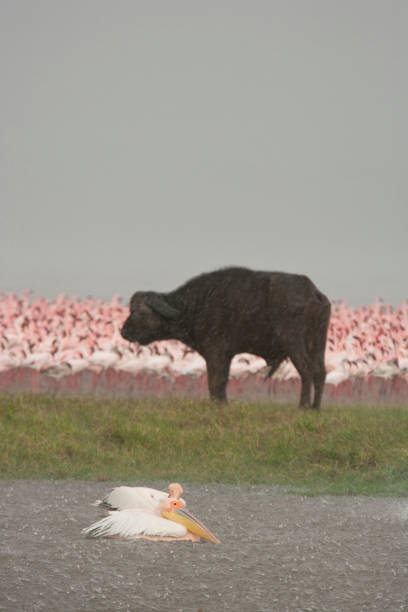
{"x": 278, "y": 551}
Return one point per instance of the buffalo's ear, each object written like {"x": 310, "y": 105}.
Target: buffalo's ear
{"x": 160, "y": 305}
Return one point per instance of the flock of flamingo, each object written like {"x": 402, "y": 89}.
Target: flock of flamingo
{"x": 63, "y": 336}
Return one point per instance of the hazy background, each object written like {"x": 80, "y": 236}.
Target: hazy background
{"x": 145, "y": 142}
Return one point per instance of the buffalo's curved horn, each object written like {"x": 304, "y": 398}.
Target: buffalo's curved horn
{"x": 160, "y": 305}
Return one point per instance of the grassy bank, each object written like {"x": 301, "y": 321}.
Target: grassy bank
{"x": 342, "y": 450}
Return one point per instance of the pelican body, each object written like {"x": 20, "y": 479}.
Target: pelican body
{"x": 141, "y": 512}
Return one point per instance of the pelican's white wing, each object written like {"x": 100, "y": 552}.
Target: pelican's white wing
{"x": 138, "y": 498}
{"x": 128, "y": 523}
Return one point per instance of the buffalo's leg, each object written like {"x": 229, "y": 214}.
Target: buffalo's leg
{"x": 274, "y": 364}
{"x": 319, "y": 376}
{"x": 303, "y": 366}
{"x": 217, "y": 372}
{"x": 306, "y": 389}
{"x": 317, "y": 349}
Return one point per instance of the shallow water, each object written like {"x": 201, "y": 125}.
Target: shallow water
{"x": 117, "y": 384}
{"x": 278, "y": 552}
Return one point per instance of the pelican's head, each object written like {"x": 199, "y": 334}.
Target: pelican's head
{"x": 173, "y": 510}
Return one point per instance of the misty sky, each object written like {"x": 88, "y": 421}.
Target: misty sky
{"x": 142, "y": 143}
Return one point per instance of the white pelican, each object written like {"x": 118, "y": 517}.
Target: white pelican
{"x": 140, "y": 512}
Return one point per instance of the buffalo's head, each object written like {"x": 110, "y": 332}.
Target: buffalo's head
{"x": 149, "y": 318}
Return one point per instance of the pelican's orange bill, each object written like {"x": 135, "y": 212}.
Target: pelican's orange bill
{"x": 191, "y": 523}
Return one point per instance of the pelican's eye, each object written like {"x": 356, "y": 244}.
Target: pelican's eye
{"x": 175, "y": 503}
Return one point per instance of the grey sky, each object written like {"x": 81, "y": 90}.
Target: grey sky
{"x": 145, "y": 142}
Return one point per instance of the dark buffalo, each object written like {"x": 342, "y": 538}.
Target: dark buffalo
{"x": 235, "y": 310}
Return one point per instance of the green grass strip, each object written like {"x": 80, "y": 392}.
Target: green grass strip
{"x": 341, "y": 450}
